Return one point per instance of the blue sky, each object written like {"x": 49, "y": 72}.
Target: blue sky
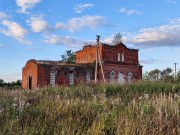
{"x": 45, "y": 29}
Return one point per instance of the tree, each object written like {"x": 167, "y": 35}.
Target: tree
{"x": 117, "y": 38}
{"x": 155, "y": 74}
{"x": 166, "y": 74}
{"x": 178, "y": 76}
{"x": 145, "y": 76}
{"x": 18, "y": 82}
{"x": 1, "y": 83}
{"x": 69, "y": 57}
{"x": 167, "y": 71}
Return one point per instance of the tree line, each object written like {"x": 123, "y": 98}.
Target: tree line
{"x": 13, "y": 84}
{"x": 166, "y": 75}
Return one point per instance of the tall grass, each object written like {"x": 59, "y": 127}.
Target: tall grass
{"x": 142, "y": 108}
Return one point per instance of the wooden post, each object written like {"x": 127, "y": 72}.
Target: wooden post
{"x": 96, "y": 68}
{"x": 98, "y": 56}
{"x": 102, "y": 71}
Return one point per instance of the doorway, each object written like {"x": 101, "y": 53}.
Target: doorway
{"x": 30, "y": 82}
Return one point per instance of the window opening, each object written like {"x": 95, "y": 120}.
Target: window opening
{"x": 112, "y": 76}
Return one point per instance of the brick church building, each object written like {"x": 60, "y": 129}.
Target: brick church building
{"x": 119, "y": 63}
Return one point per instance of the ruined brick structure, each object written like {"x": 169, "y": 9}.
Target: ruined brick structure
{"x": 45, "y": 73}
{"x": 120, "y": 64}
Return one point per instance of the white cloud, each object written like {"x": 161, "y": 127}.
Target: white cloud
{"x": 164, "y": 35}
{"x": 130, "y": 11}
{"x": 108, "y": 40}
{"x": 76, "y": 24}
{"x": 79, "y": 8}
{"x": 63, "y": 40}
{"x": 38, "y": 24}
{"x": 14, "y": 30}
{"x": 3, "y": 16}
{"x": 92, "y": 22}
{"x": 26, "y": 4}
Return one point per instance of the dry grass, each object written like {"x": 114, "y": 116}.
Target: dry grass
{"x": 143, "y": 108}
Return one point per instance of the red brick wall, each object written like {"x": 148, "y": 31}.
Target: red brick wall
{"x": 30, "y": 69}
{"x": 44, "y": 75}
{"x": 40, "y": 74}
{"x": 108, "y": 53}
{"x": 125, "y": 69}
{"x": 87, "y": 55}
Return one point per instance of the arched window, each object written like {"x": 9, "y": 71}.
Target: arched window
{"x": 88, "y": 76}
{"x": 123, "y": 57}
{"x": 129, "y": 77}
{"x": 71, "y": 77}
{"x": 112, "y": 76}
{"x": 52, "y": 77}
{"x": 119, "y": 56}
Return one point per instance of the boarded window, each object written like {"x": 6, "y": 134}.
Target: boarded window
{"x": 52, "y": 77}
{"x": 129, "y": 77}
{"x": 71, "y": 77}
{"x": 88, "y": 76}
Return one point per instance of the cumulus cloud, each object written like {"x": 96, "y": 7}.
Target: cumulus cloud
{"x": 164, "y": 35}
{"x": 130, "y": 11}
{"x": 63, "y": 40}
{"x": 76, "y": 24}
{"x": 38, "y": 24}
{"x": 3, "y": 16}
{"x": 26, "y": 4}
{"x": 79, "y": 8}
{"x": 14, "y": 30}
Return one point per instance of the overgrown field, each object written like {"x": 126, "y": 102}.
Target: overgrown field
{"x": 145, "y": 108}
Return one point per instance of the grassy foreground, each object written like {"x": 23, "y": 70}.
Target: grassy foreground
{"x": 144, "y": 108}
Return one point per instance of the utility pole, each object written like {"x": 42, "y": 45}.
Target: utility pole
{"x": 175, "y": 70}
{"x": 96, "y": 68}
{"x": 98, "y": 56}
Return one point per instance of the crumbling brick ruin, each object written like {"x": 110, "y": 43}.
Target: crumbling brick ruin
{"x": 120, "y": 64}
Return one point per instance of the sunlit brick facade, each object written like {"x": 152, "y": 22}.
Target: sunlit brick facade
{"x": 120, "y": 64}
